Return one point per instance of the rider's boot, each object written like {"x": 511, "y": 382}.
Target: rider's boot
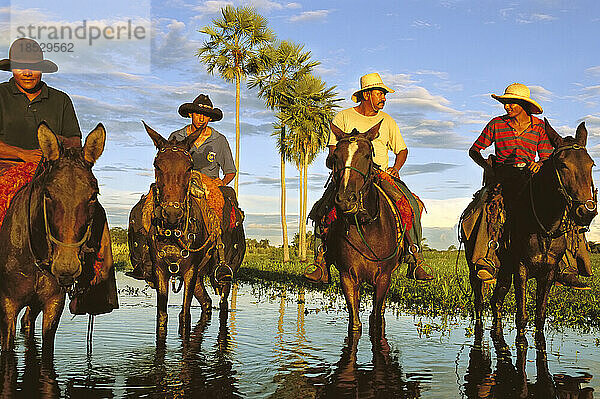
{"x": 416, "y": 264}
{"x": 568, "y": 275}
{"x": 321, "y": 273}
{"x": 582, "y": 256}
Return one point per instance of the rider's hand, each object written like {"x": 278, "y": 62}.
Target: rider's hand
{"x": 31, "y": 155}
{"x": 392, "y": 171}
{"x": 534, "y": 167}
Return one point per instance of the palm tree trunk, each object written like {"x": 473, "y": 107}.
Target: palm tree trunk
{"x": 300, "y": 211}
{"x": 304, "y": 201}
{"x": 237, "y": 131}
{"x": 286, "y": 248}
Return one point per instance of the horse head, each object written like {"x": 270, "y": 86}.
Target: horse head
{"x": 68, "y": 199}
{"x": 173, "y": 172}
{"x": 573, "y": 166}
{"x": 353, "y": 166}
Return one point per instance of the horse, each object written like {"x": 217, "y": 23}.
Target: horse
{"x": 365, "y": 240}
{"x": 558, "y": 201}
{"x": 44, "y": 234}
{"x": 180, "y": 245}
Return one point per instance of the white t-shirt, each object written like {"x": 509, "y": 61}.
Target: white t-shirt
{"x": 389, "y": 134}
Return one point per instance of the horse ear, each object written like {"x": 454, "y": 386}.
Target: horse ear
{"x": 94, "y": 144}
{"x": 48, "y": 142}
{"x": 191, "y": 139}
{"x": 373, "y": 132}
{"x": 554, "y": 137}
{"x": 159, "y": 141}
{"x": 337, "y": 132}
{"x": 581, "y": 135}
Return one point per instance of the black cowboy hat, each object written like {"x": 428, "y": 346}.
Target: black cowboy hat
{"x": 25, "y": 53}
{"x": 201, "y": 105}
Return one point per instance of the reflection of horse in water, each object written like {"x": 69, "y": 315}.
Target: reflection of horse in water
{"x": 384, "y": 380}
{"x": 510, "y": 380}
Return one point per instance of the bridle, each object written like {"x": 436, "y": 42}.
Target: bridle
{"x": 179, "y": 238}
{"x": 368, "y": 181}
{"x": 571, "y": 203}
{"x": 44, "y": 264}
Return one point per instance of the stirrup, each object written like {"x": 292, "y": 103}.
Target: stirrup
{"x": 482, "y": 273}
{"x": 316, "y": 267}
{"x": 419, "y": 264}
{"x": 227, "y": 276}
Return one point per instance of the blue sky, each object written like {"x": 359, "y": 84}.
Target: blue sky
{"x": 444, "y": 58}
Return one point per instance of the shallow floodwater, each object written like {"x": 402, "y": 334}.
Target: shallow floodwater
{"x": 290, "y": 344}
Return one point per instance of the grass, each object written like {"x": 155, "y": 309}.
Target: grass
{"x": 448, "y": 295}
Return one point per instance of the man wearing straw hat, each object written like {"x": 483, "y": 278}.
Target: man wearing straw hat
{"x": 368, "y": 112}
{"x": 517, "y": 136}
{"x": 26, "y": 101}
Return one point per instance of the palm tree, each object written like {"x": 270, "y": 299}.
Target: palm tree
{"x": 232, "y": 50}
{"x": 283, "y": 64}
{"x": 307, "y": 107}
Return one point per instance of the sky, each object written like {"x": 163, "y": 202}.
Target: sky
{"x": 443, "y": 58}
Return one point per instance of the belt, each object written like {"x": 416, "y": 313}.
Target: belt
{"x": 520, "y": 165}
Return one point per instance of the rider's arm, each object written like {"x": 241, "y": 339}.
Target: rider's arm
{"x": 399, "y": 162}
{"x": 475, "y": 154}
{"x": 228, "y": 178}
{"x": 9, "y": 151}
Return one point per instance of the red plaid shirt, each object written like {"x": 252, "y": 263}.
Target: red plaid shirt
{"x": 512, "y": 148}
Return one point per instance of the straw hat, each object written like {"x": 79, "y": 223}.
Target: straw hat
{"x": 201, "y": 105}
{"x": 370, "y": 81}
{"x": 27, "y": 54}
{"x": 518, "y": 91}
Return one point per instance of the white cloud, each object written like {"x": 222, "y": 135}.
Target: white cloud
{"x": 595, "y": 71}
{"x": 420, "y": 98}
{"x": 443, "y": 213}
{"x": 310, "y": 16}
{"x": 535, "y": 17}
{"x": 540, "y": 93}
{"x": 211, "y": 7}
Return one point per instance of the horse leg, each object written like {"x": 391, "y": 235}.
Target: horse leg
{"x": 382, "y": 285}
{"x": 223, "y": 305}
{"x": 477, "y": 288}
{"x": 52, "y": 312}
{"x": 8, "y": 323}
{"x": 202, "y": 296}
{"x": 543, "y": 288}
{"x": 28, "y": 320}
{"x": 350, "y": 288}
{"x": 185, "y": 316}
{"x": 162, "y": 296}
{"x": 520, "y": 282}
{"x": 503, "y": 283}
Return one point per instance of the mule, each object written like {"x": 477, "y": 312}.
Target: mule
{"x": 365, "y": 240}
{"x": 557, "y": 201}
{"x": 179, "y": 243}
{"x": 43, "y": 235}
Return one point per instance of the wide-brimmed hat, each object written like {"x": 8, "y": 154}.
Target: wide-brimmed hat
{"x": 25, "y": 53}
{"x": 370, "y": 81}
{"x": 201, "y": 105}
{"x": 518, "y": 91}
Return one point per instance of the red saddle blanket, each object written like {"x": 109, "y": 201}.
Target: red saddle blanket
{"x": 11, "y": 180}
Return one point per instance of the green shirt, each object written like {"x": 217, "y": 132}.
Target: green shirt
{"x": 19, "y": 117}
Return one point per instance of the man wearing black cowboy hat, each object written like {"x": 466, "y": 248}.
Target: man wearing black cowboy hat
{"x": 26, "y": 101}
{"x": 211, "y": 155}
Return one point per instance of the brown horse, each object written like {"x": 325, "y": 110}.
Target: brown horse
{"x": 179, "y": 243}
{"x": 365, "y": 241}
{"x": 558, "y": 200}
{"x": 43, "y": 236}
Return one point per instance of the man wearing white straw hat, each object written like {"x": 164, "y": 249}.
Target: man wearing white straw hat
{"x": 368, "y": 112}
{"x": 517, "y": 137}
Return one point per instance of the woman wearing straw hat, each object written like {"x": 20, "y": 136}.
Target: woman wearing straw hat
{"x": 517, "y": 137}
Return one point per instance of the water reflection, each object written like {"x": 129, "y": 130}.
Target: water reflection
{"x": 510, "y": 380}
{"x": 39, "y": 376}
{"x": 383, "y": 378}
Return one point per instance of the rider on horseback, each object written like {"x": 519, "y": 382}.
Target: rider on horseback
{"x": 210, "y": 154}
{"x": 25, "y": 102}
{"x": 367, "y": 114}
{"x": 517, "y": 136}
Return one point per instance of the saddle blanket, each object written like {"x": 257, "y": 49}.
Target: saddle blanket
{"x": 11, "y": 181}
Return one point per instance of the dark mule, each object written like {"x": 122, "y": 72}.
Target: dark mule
{"x": 43, "y": 235}
{"x": 179, "y": 243}
{"x": 365, "y": 241}
{"x": 557, "y": 201}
